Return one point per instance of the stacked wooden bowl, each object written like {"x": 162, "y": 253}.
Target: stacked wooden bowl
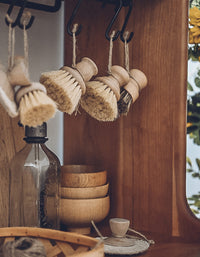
{"x": 84, "y": 197}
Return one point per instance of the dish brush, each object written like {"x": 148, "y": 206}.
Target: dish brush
{"x": 35, "y": 107}
{"x": 18, "y": 74}
{"x": 7, "y": 95}
{"x": 130, "y": 92}
{"x": 67, "y": 85}
{"x": 102, "y": 94}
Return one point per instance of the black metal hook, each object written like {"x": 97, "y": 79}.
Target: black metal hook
{"x": 17, "y": 21}
{"x": 125, "y": 23}
{"x": 20, "y": 16}
{"x": 71, "y": 21}
{"x": 107, "y": 33}
{"x": 13, "y": 24}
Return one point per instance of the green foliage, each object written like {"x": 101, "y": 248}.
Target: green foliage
{"x": 194, "y": 3}
{"x": 193, "y": 118}
{"x": 194, "y": 200}
{"x": 194, "y": 53}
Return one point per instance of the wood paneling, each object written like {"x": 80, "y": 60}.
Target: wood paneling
{"x": 10, "y": 142}
{"x": 144, "y": 152}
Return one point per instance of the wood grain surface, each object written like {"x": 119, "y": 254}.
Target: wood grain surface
{"x": 143, "y": 152}
{"x": 11, "y": 141}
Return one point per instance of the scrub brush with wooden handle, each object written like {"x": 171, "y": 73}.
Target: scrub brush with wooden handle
{"x": 7, "y": 95}
{"x": 102, "y": 94}
{"x": 67, "y": 85}
{"x": 35, "y": 107}
{"x": 130, "y": 92}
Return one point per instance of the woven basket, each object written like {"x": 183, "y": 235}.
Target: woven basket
{"x": 57, "y": 243}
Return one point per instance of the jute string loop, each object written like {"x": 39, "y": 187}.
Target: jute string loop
{"x": 126, "y": 58}
{"x": 25, "y": 18}
{"x": 126, "y": 51}
{"x": 110, "y": 51}
{"x": 11, "y": 43}
{"x": 75, "y": 27}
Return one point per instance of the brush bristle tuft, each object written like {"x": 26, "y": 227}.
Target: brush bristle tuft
{"x": 63, "y": 88}
{"x": 124, "y": 102}
{"x": 35, "y": 108}
{"x": 100, "y": 101}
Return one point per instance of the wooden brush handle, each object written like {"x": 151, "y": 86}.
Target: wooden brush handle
{"x": 137, "y": 81}
{"x": 111, "y": 82}
{"x": 139, "y": 77}
{"x": 119, "y": 77}
{"x": 133, "y": 89}
{"x": 87, "y": 68}
{"x": 120, "y": 74}
{"x": 24, "y": 90}
{"x": 18, "y": 75}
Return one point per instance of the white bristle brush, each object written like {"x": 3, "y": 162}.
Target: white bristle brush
{"x": 7, "y": 95}
{"x": 130, "y": 92}
{"x": 67, "y": 85}
{"x": 35, "y": 107}
{"x": 102, "y": 94}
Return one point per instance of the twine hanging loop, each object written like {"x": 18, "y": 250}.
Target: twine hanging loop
{"x": 110, "y": 51}
{"x": 74, "y": 30}
{"x": 126, "y": 51}
{"x": 11, "y": 43}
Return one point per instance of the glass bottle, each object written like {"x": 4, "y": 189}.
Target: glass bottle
{"x": 35, "y": 183}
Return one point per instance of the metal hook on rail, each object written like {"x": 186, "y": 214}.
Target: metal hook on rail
{"x": 69, "y": 24}
{"x": 20, "y": 16}
{"x": 125, "y": 24}
{"x": 108, "y": 30}
{"x": 13, "y": 24}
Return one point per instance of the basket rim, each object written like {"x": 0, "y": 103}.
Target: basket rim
{"x": 45, "y": 233}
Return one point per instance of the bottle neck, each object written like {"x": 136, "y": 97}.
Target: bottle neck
{"x": 35, "y": 140}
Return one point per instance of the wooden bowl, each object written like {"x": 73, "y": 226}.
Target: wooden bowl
{"x": 82, "y": 176}
{"x": 77, "y": 214}
{"x": 84, "y": 192}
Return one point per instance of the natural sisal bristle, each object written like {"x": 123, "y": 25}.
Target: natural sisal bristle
{"x": 124, "y": 102}
{"x": 100, "y": 101}
{"x": 35, "y": 108}
{"x": 63, "y": 88}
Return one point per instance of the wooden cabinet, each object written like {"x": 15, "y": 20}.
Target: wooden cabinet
{"x": 144, "y": 152}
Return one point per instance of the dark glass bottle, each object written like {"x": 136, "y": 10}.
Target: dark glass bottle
{"x": 35, "y": 183}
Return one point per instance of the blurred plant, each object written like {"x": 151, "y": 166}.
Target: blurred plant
{"x": 194, "y": 200}
{"x": 193, "y": 102}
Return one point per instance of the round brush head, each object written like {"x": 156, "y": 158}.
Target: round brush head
{"x": 63, "y": 88}
{"x": 35, "y": 107}
{"x": 102, "y": 94}
{"x": 67, "y": 85}
{"x": 100, "y": 101}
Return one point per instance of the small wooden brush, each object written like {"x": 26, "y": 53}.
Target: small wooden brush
{"x": 102, "y": 94}
{"x": 18, "y": 74}
{"x": 67, "y": 85}
{"x": 35, "y": 107}
{"x": 130, "y": 92}
{"x": 7, "y": 95}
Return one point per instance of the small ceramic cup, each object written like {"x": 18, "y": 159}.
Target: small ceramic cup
{"x": 119, "y": 226}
